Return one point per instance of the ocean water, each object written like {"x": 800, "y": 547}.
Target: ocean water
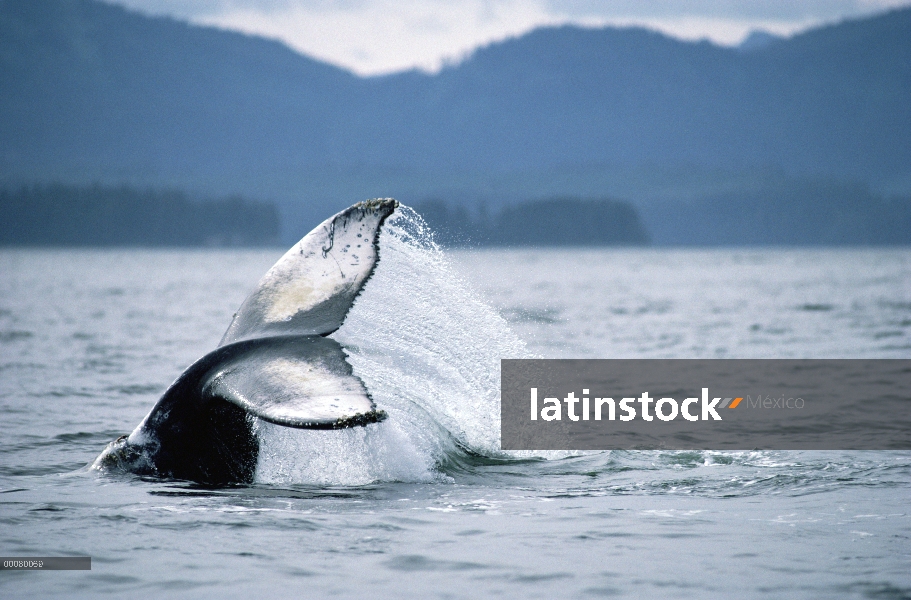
{"x": 425, "y": 504}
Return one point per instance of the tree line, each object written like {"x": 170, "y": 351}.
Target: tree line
{"x": 547, "y": 222}
{"x": 96, "y": 215}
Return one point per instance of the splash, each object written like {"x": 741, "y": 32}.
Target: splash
{"x": 429, "y": 351}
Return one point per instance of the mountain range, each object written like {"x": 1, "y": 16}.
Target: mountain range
{"x": 91, "y": 92}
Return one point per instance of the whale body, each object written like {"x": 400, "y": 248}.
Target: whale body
{"x": 274, "y": 363}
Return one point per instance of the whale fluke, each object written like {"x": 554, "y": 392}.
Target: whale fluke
{"x": 273, "y": 363}
{"x": 311, "y": 288}
{"x": 297, "y": 382}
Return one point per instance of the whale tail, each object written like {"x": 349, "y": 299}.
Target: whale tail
{"x": 312, "y": 287}
{"x": 295, "y": 377}
{"x": 273, "y": 363}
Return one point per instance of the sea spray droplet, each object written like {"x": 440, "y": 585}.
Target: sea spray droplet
{"x": 419, "y": 335}
{"x": 428, "y": 351}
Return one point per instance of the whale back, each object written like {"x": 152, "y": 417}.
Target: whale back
{"x": 310, "y": 290}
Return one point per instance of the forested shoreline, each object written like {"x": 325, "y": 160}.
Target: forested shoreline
{"x": 95, "y": 215}
{"x": 552, "y": 222}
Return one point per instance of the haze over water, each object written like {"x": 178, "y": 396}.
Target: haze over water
{"x": 90, "y": 339}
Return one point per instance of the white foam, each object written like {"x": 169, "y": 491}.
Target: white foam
{"x": 356, "y": 456}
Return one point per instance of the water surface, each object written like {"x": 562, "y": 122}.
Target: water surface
{"x": 90, "y": 339}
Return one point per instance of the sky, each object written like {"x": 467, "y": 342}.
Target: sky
{"x": 373, "y": 37}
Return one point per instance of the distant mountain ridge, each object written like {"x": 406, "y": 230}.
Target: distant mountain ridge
{"x": 758, "y": 39}
{"x": 93, "y": 92}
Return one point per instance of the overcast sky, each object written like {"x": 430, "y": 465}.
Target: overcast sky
{"x": 381, "y": 36}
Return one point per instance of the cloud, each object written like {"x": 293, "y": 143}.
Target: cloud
{"x": 716, "y": 10}
{"x": 381, "y": 36}
{"x": 384, "y": 36}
